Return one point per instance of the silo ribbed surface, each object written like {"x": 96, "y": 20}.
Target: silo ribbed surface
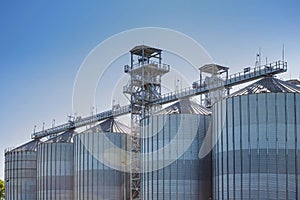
{"x": 95, "y": 179}
{"x": 257, "y": 152}
{"x": 20, "y": 172}
{"x": 55, "y": 179}
{"x": 188, "y": 177}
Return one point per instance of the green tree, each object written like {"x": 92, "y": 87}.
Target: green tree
{"x": 2, "y": 188}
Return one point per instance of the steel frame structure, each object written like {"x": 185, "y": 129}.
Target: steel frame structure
{"x": 144, "y": 88}
{"x": 233, "y": 80}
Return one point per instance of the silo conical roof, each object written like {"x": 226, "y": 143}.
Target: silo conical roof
{"x": 267, "y": 85}
{"x": 31, "y": 146}
{"x": 109, "y": 125}
{"x": 66, "y": 136}
{"x": 184, "y": 106}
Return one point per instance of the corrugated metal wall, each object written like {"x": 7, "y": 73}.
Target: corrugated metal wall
{"x": 55, "y": 171}
{"x": 93, "y": 179}
{"x": 186, "y": 178}
{"x": 257, "y": 154}
{"x": 20, "y": 175}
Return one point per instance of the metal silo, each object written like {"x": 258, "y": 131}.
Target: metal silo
{"x": 175, "y": 173}
{"x": 257, "y": 152}
{"x": 96, "y": 175}
{"x": 55, "y": 168}
{"x": 20, "y": 172}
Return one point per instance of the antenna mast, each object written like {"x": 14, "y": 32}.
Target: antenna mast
{"x": 283, "y": 52}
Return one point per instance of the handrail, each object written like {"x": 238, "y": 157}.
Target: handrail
{"x": 234, "y": 79}
{"x": 267, "y": 67}
{"x": 82, "y": 122}
{"x": 237, "y": 78}
{"x": 163, "y": 66}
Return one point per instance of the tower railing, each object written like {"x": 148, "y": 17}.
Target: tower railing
{"x": 161, "y": 66}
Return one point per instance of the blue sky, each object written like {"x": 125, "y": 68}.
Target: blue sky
{"x": 43, "y": 43}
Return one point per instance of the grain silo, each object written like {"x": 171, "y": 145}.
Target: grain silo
{"x": 55, "y": 168}
{"x": 257, "y": 153}
{"x": 97, "y": 161}
{"x": 165, "y": 177}
{"x": 20, "y": 172}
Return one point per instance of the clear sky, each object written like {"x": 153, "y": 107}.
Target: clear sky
{"x": 43, "y": 43}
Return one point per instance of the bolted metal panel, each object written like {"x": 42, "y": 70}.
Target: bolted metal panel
{"x": 94, "y": 179}
{"x": 20, "y": 172}
{"x": 188, "y": 177}
{"x": 55, "y": 171}
{"x": 257, "y": 153}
